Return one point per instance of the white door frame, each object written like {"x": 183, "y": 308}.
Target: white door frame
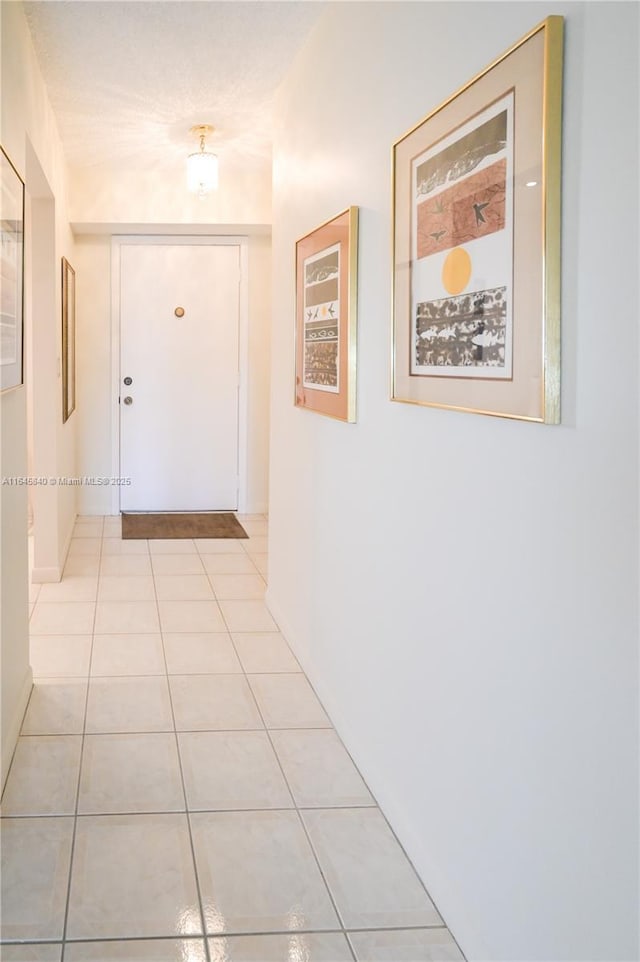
{"x": 117, "y": 242}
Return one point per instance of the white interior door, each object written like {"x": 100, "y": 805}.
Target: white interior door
{"x": 179, "y": 412}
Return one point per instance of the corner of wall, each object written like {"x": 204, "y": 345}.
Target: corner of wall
{"x": 11, "y": 729}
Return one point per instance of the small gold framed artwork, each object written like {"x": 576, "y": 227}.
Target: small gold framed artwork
{"x": 326, "y": 307}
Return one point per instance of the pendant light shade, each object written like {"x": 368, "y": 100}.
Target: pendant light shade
{"x": 202, "y": 166}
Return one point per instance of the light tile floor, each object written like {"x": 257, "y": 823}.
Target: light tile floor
{"x": 178, "y": 793}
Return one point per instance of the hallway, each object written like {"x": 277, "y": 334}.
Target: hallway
{"x": 459, "y": 585}
{"x": 177, "y": 777}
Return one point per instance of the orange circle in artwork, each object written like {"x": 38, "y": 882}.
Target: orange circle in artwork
{"x": 456, "y": 270}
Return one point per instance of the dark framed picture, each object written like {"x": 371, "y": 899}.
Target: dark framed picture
{"x": 68, "y": 339}
{"x": 476, "y": 241}
{"x": 326, "y": 308}
{"x": 11, "y": 275}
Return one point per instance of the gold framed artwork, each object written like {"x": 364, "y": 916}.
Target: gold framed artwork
{"x": 11, "y": 275}
{"x": 68, "y": 339}
{"x": 326, "y": 307}
{"x": 476, "y": 241}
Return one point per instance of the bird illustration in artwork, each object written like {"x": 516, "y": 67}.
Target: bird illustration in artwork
{"x": 478, "y": 208}
{"x": 437, "y": 234}
{"x": 315, "y": 316}
{"x": 438, "y": 207}
{"x": 309, "y": 315}
{"x": 331, "y": 310}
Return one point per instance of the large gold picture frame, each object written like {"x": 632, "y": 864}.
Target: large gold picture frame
{"x": 326, "y": 322}
{"x": 476, "y": 241}
{"x": 68, "y": 339}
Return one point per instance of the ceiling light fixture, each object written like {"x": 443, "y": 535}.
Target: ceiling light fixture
{"x": 202, "y": 166}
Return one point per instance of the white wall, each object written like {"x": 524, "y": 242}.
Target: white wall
{"x": 462, "y": 590}
{"x": 15, "y": 672}
{"x": 96, "y": 388}
{"x": 30, "y": 137}
{"x": 100, "y": 194}
{"x": 93, "y": 292}
{"x": 259, "y": 381}
{"x": 28, "y": 134}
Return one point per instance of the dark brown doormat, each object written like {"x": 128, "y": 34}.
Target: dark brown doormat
{"x": 213, "y": 524}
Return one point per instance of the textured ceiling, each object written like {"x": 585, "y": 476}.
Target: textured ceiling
{"x": 128, "y": 79}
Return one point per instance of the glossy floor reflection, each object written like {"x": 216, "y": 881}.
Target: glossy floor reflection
{"x": 178, "y": 793}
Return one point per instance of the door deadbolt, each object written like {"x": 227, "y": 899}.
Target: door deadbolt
{"x": 128, "y": 381}
{"x": 128, "y": 400}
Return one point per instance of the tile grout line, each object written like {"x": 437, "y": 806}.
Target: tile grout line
{"x": 196, "y": 875}
{"x": 220, "y": 935}
{"x": 243, "y": 553}
{"x": 370, "y": 808}
{"x": 15, "y": 749}
{"x": 201, "y": 811}
{"x": 297, "y": 808}
{"x": 80, "y": 766}
{"x": 145, "y": 731}
{"x": 374, "y": 807}
{"x": 342, "y": 807}
{"x": 297, "y": 811}
{"x": 266, "y": 730}
{"x": 182, "y": 811}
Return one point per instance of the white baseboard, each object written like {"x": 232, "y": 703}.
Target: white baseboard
{"x": 53, "y": 573}
{"x": 67, "y": 545}
{"x": 276, "y": 613}
{"x": 289, "y": 635}
{"x": 44, "y": 575}
{"x": 261, "y": 507}
{"x": 11, "y": 732}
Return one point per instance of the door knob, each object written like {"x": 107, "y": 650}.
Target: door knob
{"x": 128, "y": 381}
{"x": 128, "y": 400}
